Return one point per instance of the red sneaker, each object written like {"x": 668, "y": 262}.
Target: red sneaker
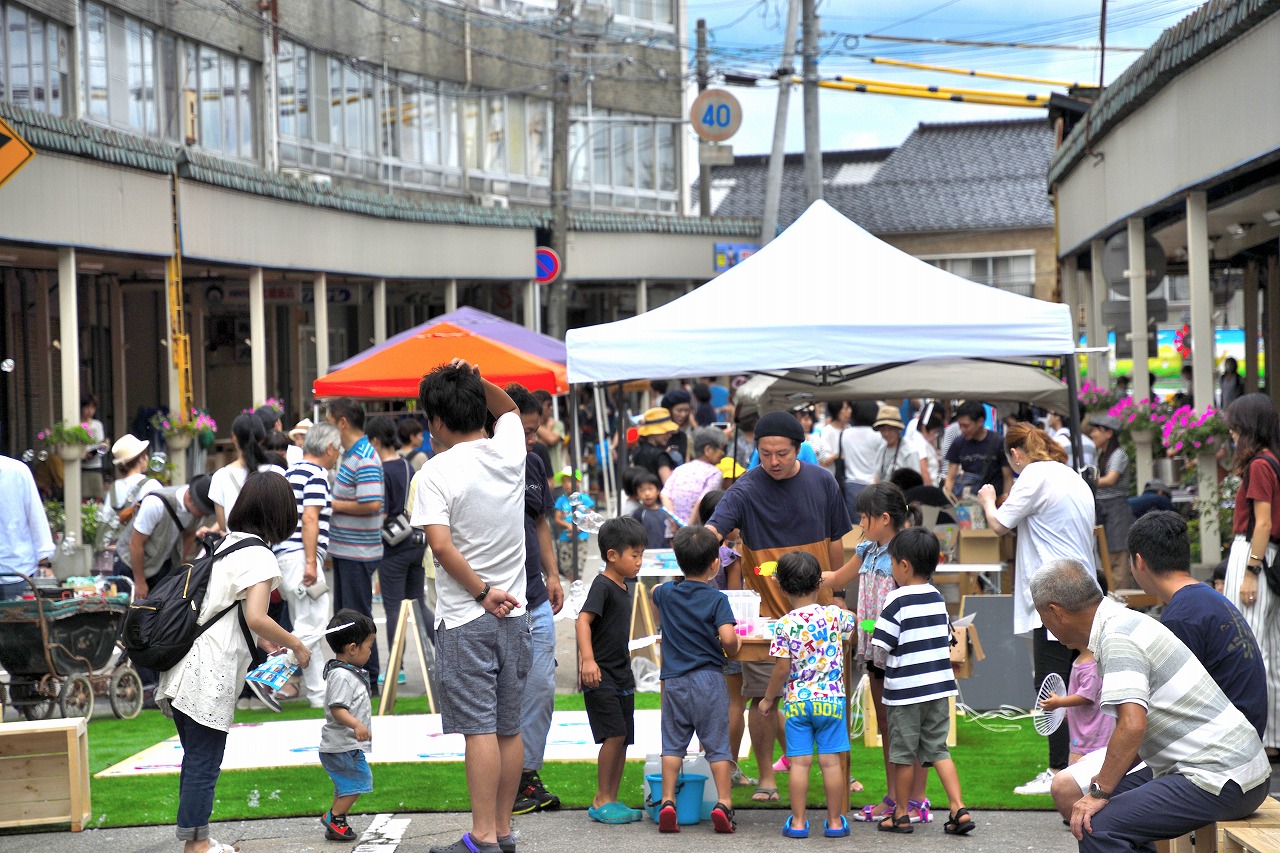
{"x": 336, "y": 828}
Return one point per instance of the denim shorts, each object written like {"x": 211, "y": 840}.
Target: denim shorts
{"x": 481, "y": 667}
{"x": 696, "y": 703}
{"x": 817, "y": 724}
{"x": 349, "y": 771}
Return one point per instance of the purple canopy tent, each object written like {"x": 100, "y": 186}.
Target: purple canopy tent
{"x": 481, "y": 323}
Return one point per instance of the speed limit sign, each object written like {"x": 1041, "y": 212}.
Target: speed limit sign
{"x": 716, "y": 115}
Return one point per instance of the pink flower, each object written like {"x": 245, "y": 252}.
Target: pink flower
{"x": 1178, "y": 446}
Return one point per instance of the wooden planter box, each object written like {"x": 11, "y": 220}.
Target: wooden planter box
{"x": 44, "y": 773}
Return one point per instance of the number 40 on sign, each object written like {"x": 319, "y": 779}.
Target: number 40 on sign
{"x": 716, "y": 115}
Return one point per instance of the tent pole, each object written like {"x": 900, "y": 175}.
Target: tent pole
{"x": 575, "y": 456}
{"x": 1073, "y": 404}
{"x": 624, "y": 449}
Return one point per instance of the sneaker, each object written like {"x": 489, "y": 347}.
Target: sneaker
{"x": 1039, "y": 785}
{"x": 336, "y": 828}
{"x": 533, "y": 796}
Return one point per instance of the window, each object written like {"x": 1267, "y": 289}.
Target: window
{"x": 293, "y": 67}
{"x": 95, "y": 27}
{"x": 32, "y": 60}
{"x": 1014, "y": 272}
{"x": 223, "y": 87}
{"x": 128, "y": 65}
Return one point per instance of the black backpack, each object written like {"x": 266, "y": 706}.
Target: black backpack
{"x": 160, "y": 629}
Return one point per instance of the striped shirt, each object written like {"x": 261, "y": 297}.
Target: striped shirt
{"x": 1192, "y": 729}
{"x": 310, "y": 484}
{"x": 914, "y": 629}
{"x": 357, "y": 537}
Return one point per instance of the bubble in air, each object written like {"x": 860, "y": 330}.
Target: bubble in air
{"x": 7, "y": 365}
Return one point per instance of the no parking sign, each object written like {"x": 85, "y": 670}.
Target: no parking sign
{"x": 547, "y": 265}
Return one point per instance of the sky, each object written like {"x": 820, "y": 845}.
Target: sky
{"x": 746, "y": 38}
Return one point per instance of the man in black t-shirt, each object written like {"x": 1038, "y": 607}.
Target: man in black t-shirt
{"x": 976, "y": 457}
{"x": 545, "y": 596}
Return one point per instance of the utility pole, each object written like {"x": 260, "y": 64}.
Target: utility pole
{"x": 704, "y": 171}
{"x": 812, "y": 142}
{"x": 773, "y": 183}
{"x": 558, "y": 300}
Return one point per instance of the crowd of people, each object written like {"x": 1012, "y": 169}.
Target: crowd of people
{"x": 469, "y": 519}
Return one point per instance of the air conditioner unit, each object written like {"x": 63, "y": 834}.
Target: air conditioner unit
{"x": 321, "y": 180}
{"x": 593, "y": 17}
{"x": 491, "y": 200}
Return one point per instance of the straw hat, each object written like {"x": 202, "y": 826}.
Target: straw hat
{"x": 301, "y": 427}
{"x": 127, "y": 449}
{"x": 657, "y": 421}
{"x": 888, "y": 416}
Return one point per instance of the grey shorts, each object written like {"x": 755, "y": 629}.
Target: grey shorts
{"x": 755, "y": 678}
{"x": 481, "y": 668}
{"x": 696, "y": 703}
{"x": 919, "y": 731}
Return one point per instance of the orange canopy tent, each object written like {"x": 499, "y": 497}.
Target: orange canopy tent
{"x": 396, "y": 371}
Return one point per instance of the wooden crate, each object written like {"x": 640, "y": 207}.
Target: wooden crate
{"x": 44, "y": 773}
{"x": 1236, "y": 839}
{"x": 1213, "y": 837}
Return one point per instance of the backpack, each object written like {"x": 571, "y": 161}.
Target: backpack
{"x": 125, "y": 539}
{"x": 109, "y": 516}
{"x": 160, "y": 629}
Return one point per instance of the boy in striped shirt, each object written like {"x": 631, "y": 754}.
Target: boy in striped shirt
{"x": 913, "y": 635}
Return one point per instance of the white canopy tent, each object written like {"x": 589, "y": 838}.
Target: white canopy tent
{"x": 824, "y": 293}
{"x": 989, "y": 380}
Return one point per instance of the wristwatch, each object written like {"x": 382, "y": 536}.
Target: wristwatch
{"x": 1095, "y": 791}
{"x": 1253, "y": 568}
{"x": 484, "y": 592}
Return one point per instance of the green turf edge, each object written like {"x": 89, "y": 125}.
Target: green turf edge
{"x": 990, "y": 765}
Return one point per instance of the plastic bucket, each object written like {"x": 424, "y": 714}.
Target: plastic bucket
{"x": 689, "y": 787}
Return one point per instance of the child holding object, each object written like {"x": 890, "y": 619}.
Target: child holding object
{"x": 1090, "y": 728}
{"x": 608, "y": 685}
{"x": 914, "y": 632}
{"x": 697, "y": 633}
{"x": 345, "y": 737}
{"x": 807, "y": 644}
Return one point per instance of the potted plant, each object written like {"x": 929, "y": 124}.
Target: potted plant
{"x": 68, "y": 439}
{"x": 1187, "y": 432}
{"x": 1140, "y": 418}
{"x": 179, "y": 432}
{"x": 1097, "y": 398}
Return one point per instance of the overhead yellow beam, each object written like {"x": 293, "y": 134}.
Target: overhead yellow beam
{"x": 988, "y": 100}
{"x": 951, "y": 90}
{"x": 991, "y": 75}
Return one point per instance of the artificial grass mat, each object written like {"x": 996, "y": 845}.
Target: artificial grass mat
{"x": 990, "y": 764}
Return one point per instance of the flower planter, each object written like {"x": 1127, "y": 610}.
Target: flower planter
{"x": 70, "y": 452}
{"x": 177, "y": 441}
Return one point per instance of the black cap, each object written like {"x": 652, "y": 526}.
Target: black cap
{"x": 675, "y": 397}
{"x": 199, "y": 486}
{"x": 782, "y": 424}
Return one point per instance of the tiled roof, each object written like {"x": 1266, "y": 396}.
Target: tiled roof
{"x": 1206, "y": 30}
{"x": 944, "y": 177}
{"x": 84, "y": 139}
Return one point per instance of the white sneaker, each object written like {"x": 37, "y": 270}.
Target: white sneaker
{"x": 1039, "y": 785}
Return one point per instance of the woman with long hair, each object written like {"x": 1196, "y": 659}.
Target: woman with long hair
{"x": 247, "y": 433}
{"x": 1255, "y": 520}
{"x": 1114, "y": 476}
{"x": 1052, "y": 509}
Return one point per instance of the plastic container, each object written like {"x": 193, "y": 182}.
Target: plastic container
{"x": 696, "y": 764}
{"x": 746, "y": 611}
{"x": 689, "y": 794}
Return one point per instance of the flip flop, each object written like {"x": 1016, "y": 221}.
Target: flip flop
{"x": 854, "y": 785}
{"x": 842, "y": 832}
{"x": 788, "y": 831}
{"x": 764, "y": 795}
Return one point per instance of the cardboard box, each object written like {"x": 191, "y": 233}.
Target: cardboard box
{"x": 966, "y": 652}
{"x": 978, "y": 546}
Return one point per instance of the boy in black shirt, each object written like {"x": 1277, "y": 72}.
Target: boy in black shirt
{"x": 604, "y": 635}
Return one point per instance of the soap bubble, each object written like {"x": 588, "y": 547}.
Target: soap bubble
{"x": 158, "y": 461}
{"x": 42, "y": 455}
{"x": 7, "y": 365}
{"x": 28, "y": 456}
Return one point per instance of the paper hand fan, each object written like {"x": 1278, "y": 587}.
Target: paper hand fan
{"x": 1047, "y": 722}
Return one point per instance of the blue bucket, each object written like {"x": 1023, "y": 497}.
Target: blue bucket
{"x": 689, "y": 788}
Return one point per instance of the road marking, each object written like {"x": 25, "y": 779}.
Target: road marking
{"x": 383, "y": 835}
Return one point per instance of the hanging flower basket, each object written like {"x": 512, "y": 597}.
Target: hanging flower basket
{"x": 1187, "y": 432}
{"x": 1140, "y": 417}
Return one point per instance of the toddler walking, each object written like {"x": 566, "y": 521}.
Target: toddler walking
{"x": 345, "y": 737}
{"x": 809, "y": 675}
{"x": 1090, "y": 728}
{"x": 914, "y": 633}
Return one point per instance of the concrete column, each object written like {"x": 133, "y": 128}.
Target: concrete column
{"x": 1202, "y": 364}
{"x": 451, "y": 295}
{"x": 118, "y": 355}
{"x": 69, "y": 342}
{"x": 1068, "y": 269}
{"x": 379, "y": 310}
{"x": 1095, "y": 332}
{"x": 1273, "y": 329}
{"x": 320, "y": 309}
{"x": 642, "y": 296}
{"x": 1252, "y": 275}
{"x": 1141, "y": 383}
{"x": 257, "y": 338}
{"x": 531, "y": 305}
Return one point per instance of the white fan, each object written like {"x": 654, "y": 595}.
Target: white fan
{"x": 1047, "y": 722}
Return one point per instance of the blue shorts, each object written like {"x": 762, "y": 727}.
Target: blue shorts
{"x": 816, "y": 723}
{"x": 349, "y": 771}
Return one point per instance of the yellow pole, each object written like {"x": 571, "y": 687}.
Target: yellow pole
{"x": 935, "y": 96}
{"x": 952, "y": 90}
{"x": 993, "y": 75}
{"x": 179, "y": 340}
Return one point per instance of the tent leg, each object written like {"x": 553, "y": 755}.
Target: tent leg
{"x": 1073, "y": 401}
{"x": 575, "y": 461}
{"x": 624, "y": 450}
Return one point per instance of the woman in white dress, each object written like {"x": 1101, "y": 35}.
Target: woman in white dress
{"x": 200, "y": 692}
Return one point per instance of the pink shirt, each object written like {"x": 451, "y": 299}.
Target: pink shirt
{"x": 688, "y": 483}
{"x": 1090, "y": 728}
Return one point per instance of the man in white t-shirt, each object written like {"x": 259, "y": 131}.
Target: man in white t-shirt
{"x": 469, "y": 498}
